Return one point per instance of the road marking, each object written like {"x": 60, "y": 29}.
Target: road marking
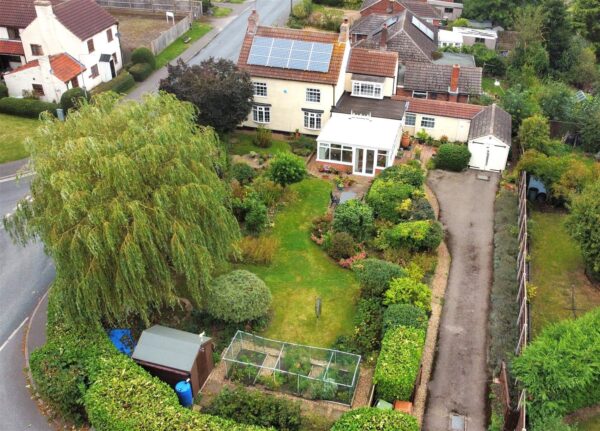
{"x": 13, "y": 334}
{"x": 14, "y": 177}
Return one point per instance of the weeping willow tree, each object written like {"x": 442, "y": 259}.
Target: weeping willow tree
{"x": 128, "y": 203}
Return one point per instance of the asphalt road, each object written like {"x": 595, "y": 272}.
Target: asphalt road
{"x": 229, "y": 42}
{"x": 459, "y": 380}
{"x": 25, "y": 273}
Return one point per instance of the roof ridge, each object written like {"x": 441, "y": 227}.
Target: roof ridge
{"x": 493, "y": 119}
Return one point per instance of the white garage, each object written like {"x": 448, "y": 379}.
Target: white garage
{"x": 490, "y": 139}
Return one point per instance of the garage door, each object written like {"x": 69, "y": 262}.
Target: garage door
{"x": 488, "y": 156}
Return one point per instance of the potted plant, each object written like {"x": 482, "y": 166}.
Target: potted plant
{"x": 422, "y": 136}
{"x": 405, "y": 142}
{"x": 339, "y": 182}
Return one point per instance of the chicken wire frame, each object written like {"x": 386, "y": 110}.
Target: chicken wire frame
{"x": 254, "y": 343}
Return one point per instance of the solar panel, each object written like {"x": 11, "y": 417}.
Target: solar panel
{"x": 290, "y": 54}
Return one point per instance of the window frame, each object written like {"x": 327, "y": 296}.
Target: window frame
{"x": 420, "y": 94}
{"x": 259, "y": 111}
{"x": 95, "y": 72}
{"x": 13, "y": 33}
{"x": 38, "y": 89}
{"x": 263, "y": 85}
{"x": 315, "y": 117}
{"x": 480, "y": 40}
{"x": 381, "y": 153}
{"x": 359, "y": 89}
{"x": 36, "y": 49}
{"x": 448, "y": 10}
{"x": 313, "y": 93}
{"x": 344, "y": 150}
{"x": 109, "y": 35}
{"x": 91, "y": 48}
{"x": 414, "y": 119}
{"x": 428, "y": 120}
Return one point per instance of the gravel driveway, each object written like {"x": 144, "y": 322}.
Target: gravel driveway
{"x": 459, "y": 379}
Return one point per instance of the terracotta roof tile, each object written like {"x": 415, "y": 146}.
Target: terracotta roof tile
{"x": 11, "y": 47}
{"x": 65, "y": 67}
{"x": 441, "y": 108}
{"x": 33, "y": 63}
{"x": 373, "y": 62}
{"x": 329, "y": 77}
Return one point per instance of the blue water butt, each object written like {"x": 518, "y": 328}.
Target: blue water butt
{"x": 184, "y": 392}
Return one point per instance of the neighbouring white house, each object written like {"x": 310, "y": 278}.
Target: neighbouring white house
{"x": 463, "y": 36}
{"x": 490, "y": 139}
{"x": 59, "y": 45}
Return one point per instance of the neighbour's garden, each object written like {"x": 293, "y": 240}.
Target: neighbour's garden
{"x": 13, "y": 133}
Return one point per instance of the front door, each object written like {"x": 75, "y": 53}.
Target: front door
{"x": 364, "y": 162}
{"x": 113, "y": 72}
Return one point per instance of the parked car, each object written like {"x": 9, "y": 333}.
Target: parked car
{"x": 536, "y": 190}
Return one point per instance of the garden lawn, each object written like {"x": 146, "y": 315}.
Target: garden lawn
{"x": 220, "y": 12}
{"x": 557, "y": 270}
{"x": 176, "y": 48}
{"x": 241, "y": 143}
{"x": 13, "y": 131}
{"x": 487, "y": 84}
{"x": 301, "y": 272}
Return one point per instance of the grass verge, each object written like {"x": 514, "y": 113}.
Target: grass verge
{"x": 240, "y": 143}
{"x": 13, "y": 132}
{"x": 557, "y": 271}
{"x": 179, "y": 46}
{"x": 301, "y": 272}
{"x": 221, "y": 12}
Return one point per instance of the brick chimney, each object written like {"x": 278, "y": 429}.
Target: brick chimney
{"x": 344, "y": 31}
{"x": 252, "y": 22}
{"x": 383, "y": 37}
{"x": 389, "y": 6}
{"x": 453, "y": 88}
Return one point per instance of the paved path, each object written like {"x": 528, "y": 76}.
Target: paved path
{"x": 25, "y": 273}
{"x": 224, "y": 40}
{"x": 459, "y": 380}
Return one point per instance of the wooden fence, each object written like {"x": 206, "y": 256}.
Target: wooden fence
{"x": 168, "y": 37}
{"x": 178, "y": 7}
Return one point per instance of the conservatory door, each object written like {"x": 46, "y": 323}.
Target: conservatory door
{"x": 364, "y": 162}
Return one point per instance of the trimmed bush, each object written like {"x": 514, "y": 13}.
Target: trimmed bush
{"x": 410, "y": 173}
{"x": 453, "y": 157}
{"x": 355, "y": 218}
{"x": 398, "y": 363}
{"x": 404, "y": 315}
{"x": 375, "y": 275}
{"x": 341, "y": 245}
{"x": 3, "y": 90}
{"x": 374, "y": 419}
{"x": 72, "y": 98}
{"x": 386, "y": 197}
{"x": 367, "y": 326}
{"x": 420, "y": 235}
{"x": 420, "y": 209}
{"x": 256, "y": 217}
{"x": 30, "y": 108}
{"x": 255, "y": 408}
{"x": 125, "y": 397}
{"x": 143, "y": 55}
{"x": 141, "y": 71}
{"x": 286, "y": 168}
{"x": 409, "y": 291}
{"x": 243, "y": 173}
{"x": 238, "y": 296}
{"x": 120, "y": 84}
{"x": 560, "y": 368}
{"x": 267, "y": 191}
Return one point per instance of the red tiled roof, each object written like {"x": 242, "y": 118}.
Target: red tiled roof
{"x": 441, "y": 108}
{"x": 11, "y": 47}
{"x": 373, "y": 62}
{"x": 63, "y": 66}
{"x": 329, "y": 77}
{"x": 84, "y": 18}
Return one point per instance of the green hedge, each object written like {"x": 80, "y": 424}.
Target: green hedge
{"x": 386, "y": 196}
{"x": 420, "y": 235}
{"x": 3, "y": 90}
{"x": 71, "y": 98}
{"x": 409, "y": 173}
{"x": 141, "y": 71}
{"x": 398, "y": 363}
{"x": 375, "y": 275}
{"x": 30, "y": 108}
{"x": 561, "y": 367}
{"x": 143, "y": 55}
{"x": 256, "y": 408}
{"x": 452, "y": 157}
{"x": 397, "y": 315}
{"x": 373, "y": 419}
{"x": 120, "y": 84}
{"x": 124, "y": 397}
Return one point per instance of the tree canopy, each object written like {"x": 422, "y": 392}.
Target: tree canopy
{"x": 584, "y": 225}
{"x": 221, "y": 92}
{"x": 127, "y": 202}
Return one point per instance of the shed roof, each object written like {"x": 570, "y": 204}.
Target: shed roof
{"x": 380, "y": 108}
{"x": 492, "y": 120}
{"x": 169, "y": 347}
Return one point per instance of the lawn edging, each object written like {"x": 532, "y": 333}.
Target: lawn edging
{"x": 438, "y": 290}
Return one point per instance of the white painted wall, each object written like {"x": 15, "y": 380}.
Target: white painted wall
{"x": 3, "y": 33}
{"x": 456, "y": 129}
{"x": 389, "y": 85}
{"x": 20, "y": 82}
{"x": 488, "y": 153}
{"x": 55, "y": 38}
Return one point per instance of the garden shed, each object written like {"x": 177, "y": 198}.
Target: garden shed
{"x": 173, "y": 355}
{"x": 490, "y": 139}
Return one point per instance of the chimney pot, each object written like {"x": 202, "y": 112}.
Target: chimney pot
{"x": 383, "y": 37}
{"x": 344, "y": 31}
{"x": 252, "y": 22}
{"x": 390, "y": 6}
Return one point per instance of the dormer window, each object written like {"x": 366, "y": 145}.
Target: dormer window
{"x": 371, "y": 90}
